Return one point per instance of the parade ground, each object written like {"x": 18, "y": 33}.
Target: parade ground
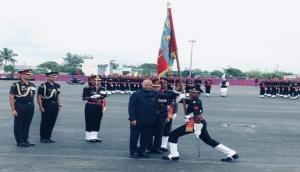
{"x": 264, "y": 131}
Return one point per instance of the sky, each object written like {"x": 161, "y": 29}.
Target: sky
{"x": 245, "y": 34}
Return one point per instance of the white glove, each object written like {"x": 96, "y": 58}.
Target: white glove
{"x": 187, "y": 117}
{"x": 180, "y": 97}
{"x": 197, "y": 129}
{"x": 174, "y": 116}
{"x": 103, "y": 92}
{"x": 177, "y": 92}
{"x": 95, "y": 96}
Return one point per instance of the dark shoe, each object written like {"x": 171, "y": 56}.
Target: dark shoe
{"x": 21, "y": 144}
{"x": 91, "y": 141}
{"x": 147, "y": 151}
{"x": 44, "y": 140}
{"x": 176, "y": 158}
{"x": 143, "y": 155}
{"x": 156, "y": 151}
{"x": 52, "y": 141}
{"x": 98, "y": 140}
{"x": 134, "y": 155}
{"x": 164, "y": 149}
{"x": 28, "y": 144}
{"x": 231, "y": 158}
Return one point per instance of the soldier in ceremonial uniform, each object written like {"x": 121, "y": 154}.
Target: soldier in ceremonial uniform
{"x": 171, "y": 113}
{"x": 262, "y": 90}
{"x": 188, "y": 85}
{"x": 293, "y": 91}
{"x": 94, "y": 96}
{"x": 224, "y": 86}
{"x": 49, "y": 104}
{"x": 21, "y": 97}
{"x": 197, "y": 84}
{"x": 197, "y": 125}
{"x": 207, "y": 84}
{"x": 164, "y": 115}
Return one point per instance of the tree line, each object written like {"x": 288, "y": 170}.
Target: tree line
{"x": 73, "y": 62}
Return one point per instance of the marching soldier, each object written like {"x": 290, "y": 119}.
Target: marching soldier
{"x": 49, "y": 104}
{"x": 197, "y": 125}
{"x": 21, "y": 96}
{"x": 94, "y": 108}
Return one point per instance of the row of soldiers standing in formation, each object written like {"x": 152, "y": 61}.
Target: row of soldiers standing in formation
{"x": 21, "y": 100}
{"x": 285, "y": 89}
{"x": 128, "y": 85}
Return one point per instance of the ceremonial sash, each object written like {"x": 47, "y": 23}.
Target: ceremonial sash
{"x": 170, "y": 111}
{"x": 189, "y": 127}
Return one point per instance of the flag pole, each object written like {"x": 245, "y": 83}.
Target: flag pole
{"x": 177, "y": 62}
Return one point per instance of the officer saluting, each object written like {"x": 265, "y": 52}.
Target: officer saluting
{"x": 197, "y": 125}
{"x": 94, "y": 108}
{"x": 49, "y": 104}
{"x": 21, "y": 96}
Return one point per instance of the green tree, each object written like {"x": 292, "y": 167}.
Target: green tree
{"x": 185, "y": 73}
{"x": 253, "y": 74}
{"x": 73, "y": 60}
{"x": 49, "y": 65}
{"x": 233, "y": 72}
{"x": 217, "y": 73}
{"x": 7, "y": 55}
{"x": 9, "y": 68}
{"x": 197, "y": 72}
{"x": 148, "y": 68}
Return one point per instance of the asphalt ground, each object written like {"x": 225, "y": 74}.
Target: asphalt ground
{"x": 265, "y": 132}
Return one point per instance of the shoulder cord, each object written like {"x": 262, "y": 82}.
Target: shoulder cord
{"x": 19, "y": 91}
{"x": 51, "y": 95}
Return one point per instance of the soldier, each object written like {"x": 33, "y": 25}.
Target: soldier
{"x": 164, "y": 114}
{"x": 268, "y": 88}
{"x": 293, "y": 91}
{"x": 207, "y": 84}
{"x": 171, "y": 114}
{"x": 197, "y": 84}
{"x": 94, "y": 108}
{"x": 273, "y": 89}
{"x": 197, "y": 125}
{"x": 21, "y": 96}
{"x": 224, "y": 86}
{"x": 49, "y": 104}
{"x": 188, "y": 85}
{"x": 262, "y": 90}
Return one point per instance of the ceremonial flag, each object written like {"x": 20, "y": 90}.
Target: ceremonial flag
{"x": 168, "y": 48}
